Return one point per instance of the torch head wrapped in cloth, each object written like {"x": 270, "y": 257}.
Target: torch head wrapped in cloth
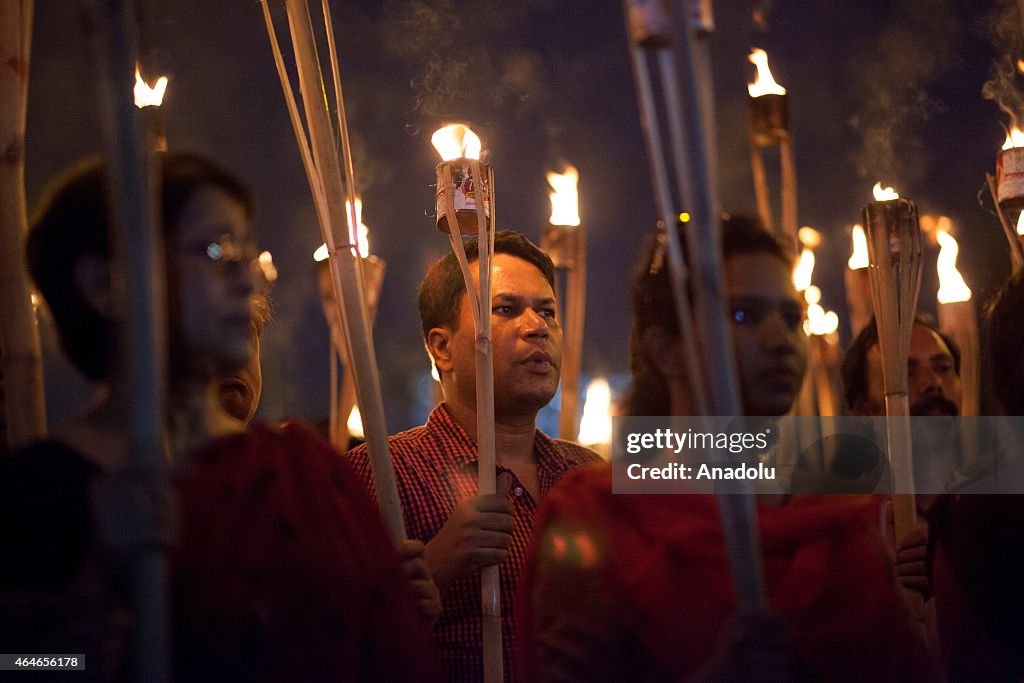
{"x": 459, "y": 192}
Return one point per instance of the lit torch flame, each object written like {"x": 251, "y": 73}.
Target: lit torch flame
{"x": 355, "y": 424}
{"x": 952, "y": 287}
{"x": 267, "y": 267}
{"x": 859, "y": 257}
{"x": 884, "y": 194}
{"x": 364, "y": 243}
{"x": 764, "y": 84}
{"x": 596, "y": 423}
{"x": 819, "y": 321}
{"x": 1020, "y": 224}
{"x": 803, "y": 271}
{"x": 809, "y": 237}
{"x": 565, "y": 201}
{"x": 1014, "y": 138}
{"x": 1020, "y": 65}
{"x": 146, "y": 96}
{"x": 456, "y": 142}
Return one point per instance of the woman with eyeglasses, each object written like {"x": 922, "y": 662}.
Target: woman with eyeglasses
{"x": 637, "y": 586}
{"x": 282, "y": 569}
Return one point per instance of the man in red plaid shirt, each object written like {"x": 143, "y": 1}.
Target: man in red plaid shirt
{"x": 436, "y": 464}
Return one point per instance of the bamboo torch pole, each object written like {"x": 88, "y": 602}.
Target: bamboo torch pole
{"x": 564, "y": 241}
{"x": 324, "y": 172}
{"x": 693, "y": 26}
{"x": 649, "y": 30}
{"x": 894, "y": 253}
{"x": 22, "y": 368}
{"x": 465, "y": 202}
{"x": 769, "y": 126}
{"x": 138, "y": 255}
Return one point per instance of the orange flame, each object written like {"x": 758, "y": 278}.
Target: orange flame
{"x": 1014, "y": 138}
{"x": 596, "y": 424}
{"x": 456, "y": 141}
{"x": 809, "y": 237}
{"x": 321, "y": 252}
{"x": 952, "y": 287}
{"x": 565, "y": 200}
{"x": 146, "y": 96}
{"x": 803, "y": 271}
{"x": 859, "y": 257}
{"x": 884, "y": 194}
{"x": 764, "y": 84}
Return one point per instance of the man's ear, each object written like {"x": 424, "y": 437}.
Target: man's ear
{"x": 92, "y": 278}
{"x": 439, "y": 346}
{"x": 664, "y": 352}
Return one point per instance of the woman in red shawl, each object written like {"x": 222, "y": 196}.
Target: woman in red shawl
{"x": 637, "y": 587}
{"x": 282, "y": 569}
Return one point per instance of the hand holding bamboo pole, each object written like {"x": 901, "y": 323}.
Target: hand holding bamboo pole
{"x": 22, "y": 376}
{"x": 465, "y": 201}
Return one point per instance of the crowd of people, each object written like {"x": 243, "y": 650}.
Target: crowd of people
{"x": 281, "y": 566}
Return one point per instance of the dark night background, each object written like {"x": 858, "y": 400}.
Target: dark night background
{"x": 877, "y": 90}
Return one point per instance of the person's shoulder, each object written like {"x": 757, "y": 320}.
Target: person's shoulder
{"x": 401, "y": 445}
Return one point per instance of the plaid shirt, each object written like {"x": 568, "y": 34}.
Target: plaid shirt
{"x": 436, "y": 466}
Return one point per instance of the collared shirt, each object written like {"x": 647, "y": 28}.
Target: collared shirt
{"x": 436, "y": 467}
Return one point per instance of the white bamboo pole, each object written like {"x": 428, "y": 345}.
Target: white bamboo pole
{"x": 138, "y": 255}
{"x": 22, "y": 381}
{"x": 693, "y": 62}
{"x": 667, "y": 213}
{"x": 324, "y": 171}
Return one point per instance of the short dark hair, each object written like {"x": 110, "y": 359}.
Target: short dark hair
{"x": 73, "y": 221}
{"x": 854, "y": 369}
{"x": 443, "y": 286}
{"x": 653, "y": 302}
{"x": 1004, "y": 323}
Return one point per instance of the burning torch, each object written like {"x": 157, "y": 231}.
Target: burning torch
{"x": 957, "y": 316}
{"x": 344, "y": 415}
{"x": 564, "y": 241}
{"x": 465, "y": 201}
{"x": 858, "y": 282}
{"x": 1007, "y": 189}
{"x": 149, "y": 99}
{"x": 894, "y": 265}
{"x": 769, "y": 126}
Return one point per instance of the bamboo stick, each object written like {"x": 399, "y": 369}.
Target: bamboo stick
{"x": 894, "y": 253}
{"x": 789, "y": 205}
{"x": 324, "y": 171}
{"x": 764, "y": 203}
{"x": 480, "y": 305}
{"x": 678, "y": 272}
{"x": 22, "y": 369}
{"x": 575, "y": 307}
{"x": 138, "y": 254}
{"x": 693, "y": 62}
{"x": 1016, "y": 250}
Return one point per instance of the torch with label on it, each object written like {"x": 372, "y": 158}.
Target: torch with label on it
{"x": 894, "y": 265}
{"x": 149, "y": 100}
{"x": 565, "y": 242}
{"x": 465, "y": 202}
{"x": 769, "y": 127}
{"x": 1007, "y": 189}
{"x": 344, "y": 421}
